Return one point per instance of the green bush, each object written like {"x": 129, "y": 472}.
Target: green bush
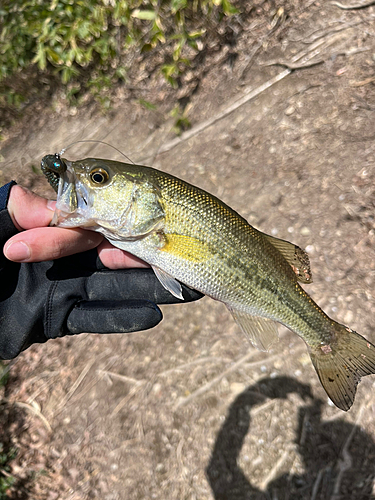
{"x": 6, "y": 480}
{"x": 71, "y": 38}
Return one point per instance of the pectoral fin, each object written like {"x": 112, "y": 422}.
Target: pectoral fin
{"x": 168, "y": 282}
{"x": 296, "y": 257}
{"x": 261, "y": 332}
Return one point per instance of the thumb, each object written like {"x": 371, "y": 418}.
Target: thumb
{"x": 28, "y": 210}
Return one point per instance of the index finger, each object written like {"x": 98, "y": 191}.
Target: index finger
{"x": 49, "y": 243}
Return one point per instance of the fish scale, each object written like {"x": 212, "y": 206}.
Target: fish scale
{"x": 251, "y": 263}
{"x": 188, "y": 235}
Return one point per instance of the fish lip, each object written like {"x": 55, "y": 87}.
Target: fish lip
{"x": 73, "y": 198}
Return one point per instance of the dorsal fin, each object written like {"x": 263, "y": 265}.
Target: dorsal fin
{"x": 296, "y": 257}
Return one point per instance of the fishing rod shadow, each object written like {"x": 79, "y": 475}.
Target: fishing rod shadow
{"x": 338, "y": 457}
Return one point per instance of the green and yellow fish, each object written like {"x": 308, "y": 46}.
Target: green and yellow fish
{"x": 189, "y": 236}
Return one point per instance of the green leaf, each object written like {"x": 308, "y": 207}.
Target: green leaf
{"x": 147, "y": 104}
{"x": 147, "y": 15}
{"x": 40, "y": 57}
{"x": 196, "y": 34}
{"x": 228, "y": 8}
{"x": 178, "y": 5}
{"x": 146, "y": 48}
{"x": 67, "y": 73}
{"x": 121, "y": 72}
{"x": 100, "y": 35}
{"x": 53, "y": 56}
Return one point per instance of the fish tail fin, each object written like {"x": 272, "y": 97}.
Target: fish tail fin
{"x": 341, "y": 364}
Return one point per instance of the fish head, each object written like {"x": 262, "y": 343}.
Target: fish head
{"x": 114, "y": 198}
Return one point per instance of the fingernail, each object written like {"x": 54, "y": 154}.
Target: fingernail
{"x": 17, "y": 251}
{"x": 51, "y": 205}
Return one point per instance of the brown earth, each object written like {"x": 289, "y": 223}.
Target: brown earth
{"x": 189, "y": 410}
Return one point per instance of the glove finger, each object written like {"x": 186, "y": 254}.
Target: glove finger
{"x": 137, "y": 284}
{"x": 113, "y": 316}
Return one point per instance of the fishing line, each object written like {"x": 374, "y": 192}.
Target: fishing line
{"x": 99, "y": 142}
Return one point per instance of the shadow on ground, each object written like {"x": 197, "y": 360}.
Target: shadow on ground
{"x": 12, "y": 426}
{"x": 338, "y": 457}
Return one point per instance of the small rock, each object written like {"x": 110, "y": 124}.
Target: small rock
{"x": 160, "y": 468}
{"x": 348, "y": 318}
{"x": 289, "y": 111}
{"x": 73, "y": 473}
{"x": 305, "y": 231}
{"x": 156, "y": 388}
{"x": 237, "y": 387}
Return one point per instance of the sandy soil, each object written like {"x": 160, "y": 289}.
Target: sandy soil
{"x": 189, "y": 410}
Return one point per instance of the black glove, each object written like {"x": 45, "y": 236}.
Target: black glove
{"x": 76, "y": 294}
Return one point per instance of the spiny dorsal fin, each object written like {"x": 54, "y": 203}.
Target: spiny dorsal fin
{"x": 261, "y": 332}
{"x": 296, "y": 257}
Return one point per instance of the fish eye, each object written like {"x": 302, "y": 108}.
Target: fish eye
{"x": 99, "y": 176}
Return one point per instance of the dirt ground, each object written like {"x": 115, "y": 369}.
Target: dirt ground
{"x": 188, "y": 410}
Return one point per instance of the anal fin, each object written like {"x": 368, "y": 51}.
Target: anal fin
{"x": 295, "y": 256}
{"x": 261, "y": 332}
{"x": 168, "y": 282}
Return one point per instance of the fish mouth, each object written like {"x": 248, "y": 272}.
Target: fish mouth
{"x": 72, "y": 196}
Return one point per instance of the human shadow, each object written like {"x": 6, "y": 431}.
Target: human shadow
{"x": 327, "y": 449}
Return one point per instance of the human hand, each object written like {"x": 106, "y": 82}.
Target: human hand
{"x": 76, "y": 293}
{"x": 37, "y": 242}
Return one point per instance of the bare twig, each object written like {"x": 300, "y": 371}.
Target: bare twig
{"x": 264, "y": 406}
{"x": 198, "y": 361}
{"x": 123, "y": 378}
{"x": 342, "y": 27}
{"x": 293, "y": 66}
{"x": 33, "y": 409}
{"x": 276, "y": 468}
{"x": 345, "y": 462}
{"x": 355, "y": 6}
{"x": 76, "y": 384}
{"x": 315, "y": 48}
{"x": 252, "y": 55}
{"x": 363, "y": 82}
{"x": 206, "y": 387}
{"x": 255, "y": 50}
{"x": 124, "y": 400}
{"x": 318, "y": 480}
{"x": 351, "y": 52}
{"x": 251, "y": 94}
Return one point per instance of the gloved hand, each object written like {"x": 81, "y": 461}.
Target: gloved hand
{"x": 71, "y": 295}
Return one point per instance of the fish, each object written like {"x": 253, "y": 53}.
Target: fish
{"x": 190, "y": 236}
